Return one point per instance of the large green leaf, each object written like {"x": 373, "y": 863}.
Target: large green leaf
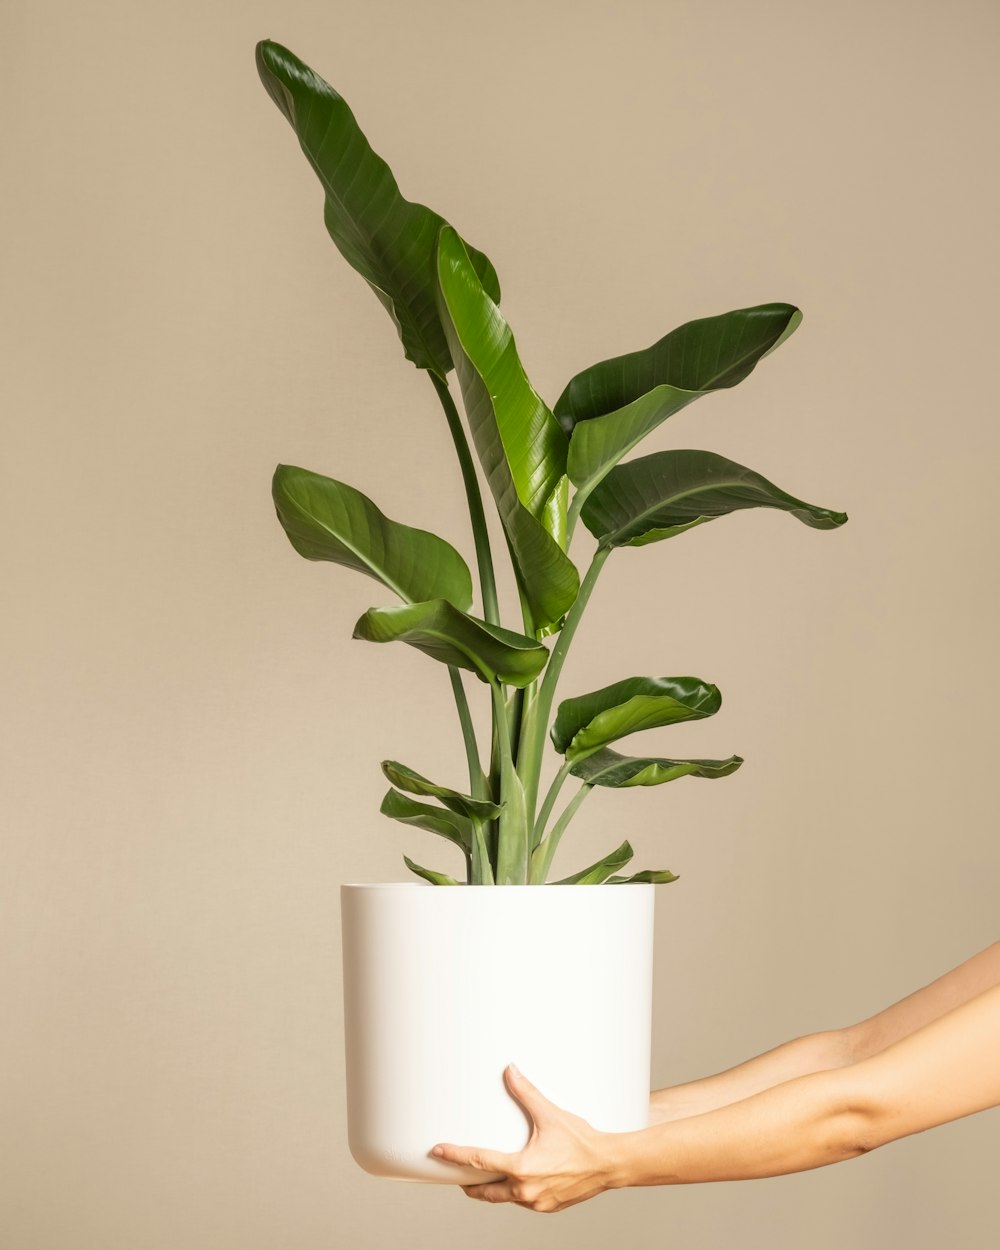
{"x": 385, "y": 237}
{"x": 661, "y": 495}
{"x": 590, "y": 721}
{"x": 655, "y": 876}
{"x": 327, "y": 520}
{"x": 446, "y": 634}
{"x": 428, "y": 874}
{"x": 600, "y": 871}
{"x": 438, "y": 820}
{"x": 519, "y": 442}
{"x": 607, "y": 768}
{"x": 463, "y": 804}
{"x": 698, "y": 357}
{"x": 612, "y": 406}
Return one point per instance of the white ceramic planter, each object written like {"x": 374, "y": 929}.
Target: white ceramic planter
{"x": 446, "y": 985}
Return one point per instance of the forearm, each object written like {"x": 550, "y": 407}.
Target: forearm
{"x": 817, "y": 1052}
{"x": 940, "y": 1072}
{"x": 803, "y": 1123}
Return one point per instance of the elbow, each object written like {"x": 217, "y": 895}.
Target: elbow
{"x": 856, "y": 1134}
{"x": 858, "y": 1120}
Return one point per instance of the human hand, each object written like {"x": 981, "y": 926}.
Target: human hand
{"x": 566, "y": 1161}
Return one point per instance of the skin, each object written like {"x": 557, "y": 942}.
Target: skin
{"x": 819, "y": 1099}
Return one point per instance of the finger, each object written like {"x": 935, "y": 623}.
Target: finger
{"x": 530, "y": 1098}
{"x": 496, "y": 1191}
{"x": 473, "y": 1157}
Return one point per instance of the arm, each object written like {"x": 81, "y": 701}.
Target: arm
{"x": 942, "y": 1071}
{"x": 927, "y": 1059}
{"x": 837, "y": 1048}
{"x": 817, "y": 1052}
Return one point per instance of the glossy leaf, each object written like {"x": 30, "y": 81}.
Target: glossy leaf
{"x": 590, "y": 721}
{"x": 655, "y": 876}
{"x": 600, "y": 871}
{"x": 388, "y": 239}
{"x": 406, "y": 779}
{"x": 707, "y": 354}
{"x": 661, "y": 495}
{"x": 452, "y": 637}
{"x": 428, "y": 874}
{"x": 327, "y": 520}
{"x": 607, "y": 768}
{"x": 438, "y": 820}
{"x": 519, "y": 442}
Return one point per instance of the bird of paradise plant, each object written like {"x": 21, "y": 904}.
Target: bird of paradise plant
{"x": 547, "y": 470}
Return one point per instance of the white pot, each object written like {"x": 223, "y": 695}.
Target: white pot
{"x": 446, "y": 985}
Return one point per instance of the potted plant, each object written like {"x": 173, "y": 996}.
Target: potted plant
{"x": 445, "y": 986}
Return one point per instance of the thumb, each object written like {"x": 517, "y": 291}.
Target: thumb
{"x": 530, "y": 1098}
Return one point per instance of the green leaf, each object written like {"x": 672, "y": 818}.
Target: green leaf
{"x": 661, "y": 495}
{"x": 656, "y": 876}
{"x": 386, "y": 238}
{"x": 453, "y": 637}
{"x": 463, "y": 804}
{"x": 327, "y": 520}
{"x": 428, "y": 874}
{"x": 697, "y": 358}
{"x": 438, "y": 820}
{"x": 600, "y": 871}
{"x": 519, "y": 442}
{"x": 607, "y": 768}
{"x": 593, "y": 720}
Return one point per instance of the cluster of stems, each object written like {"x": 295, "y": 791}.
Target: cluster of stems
{"x": 518, "y": 846}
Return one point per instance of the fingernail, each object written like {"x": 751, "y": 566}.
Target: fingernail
{"x": 438, "y": 1150}
{"x": 515, "y": 1069}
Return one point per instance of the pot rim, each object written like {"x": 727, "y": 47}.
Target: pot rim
{"x": 426, "y": 885}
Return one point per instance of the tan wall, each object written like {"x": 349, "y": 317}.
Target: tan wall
{"x": 191, "y": 738}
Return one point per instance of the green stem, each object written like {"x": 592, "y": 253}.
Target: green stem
{"x": 533, "y": 737}
{"x": 477, "y": 779}
{"x": 512, "y": 839}
{"x": 480, "y": 534}
{"x": 573, "y": 515}
{"x": 550, "y": 801}
{"x": 541, "y": 859}
{"x": 479, "y": 870}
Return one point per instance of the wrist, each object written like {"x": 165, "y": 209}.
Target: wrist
{"x": 619, "y": 1159}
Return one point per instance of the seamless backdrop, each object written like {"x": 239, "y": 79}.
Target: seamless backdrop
{"x": 191, "y": 738}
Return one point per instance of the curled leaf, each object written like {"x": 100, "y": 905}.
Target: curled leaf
{"x": 607, "y": 768}
{"x": 600, "y": 871}
{"x": 428, "y": 874}
{"x": 589, "y": 721}
{"x": 439, "y": 820}
{"x": 463, "y": 804}
{"x": 440, "y": 630}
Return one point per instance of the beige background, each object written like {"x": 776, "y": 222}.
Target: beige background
{"x": 190, "y": 736}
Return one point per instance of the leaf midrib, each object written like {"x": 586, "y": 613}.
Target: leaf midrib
{"x": 695, "y": 490}
{"x": 381, "y": 574}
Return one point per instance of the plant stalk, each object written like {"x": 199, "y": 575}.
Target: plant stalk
{"x": 573, "y": 514}
{"x": 513, "y": 841}
{"x": 478, "y": 783}
{"x": 550, "y": 802}
{"x": 479, "y": 869}
{"x": 480, "y": 534}
{"x": 541, "y": 859}
{"x": 533, "y": 736}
